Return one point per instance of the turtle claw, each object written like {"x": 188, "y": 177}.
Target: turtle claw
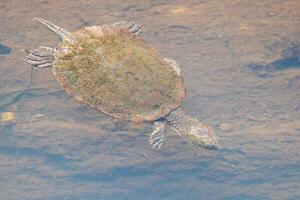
{"x": 158, "y": 137}
{"x": 136, "y": 28}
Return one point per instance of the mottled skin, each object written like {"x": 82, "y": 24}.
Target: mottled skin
{"x": 192, "y": 130}
{"x": 102, "y": 65}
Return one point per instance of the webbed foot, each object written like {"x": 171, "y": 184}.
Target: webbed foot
{"x": 158, "y": 136}
{"x": 41, "y": 57}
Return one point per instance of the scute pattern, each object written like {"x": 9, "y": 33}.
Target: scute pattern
{"x": 118, "y": 73}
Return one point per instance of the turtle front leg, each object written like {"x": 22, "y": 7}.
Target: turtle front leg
{"x": 158, "y": 136}
{"x": 41, "y": 57}
{"x": 130, "y": 26}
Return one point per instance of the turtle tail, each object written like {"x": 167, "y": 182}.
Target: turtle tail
{"x": 59, "y": 32}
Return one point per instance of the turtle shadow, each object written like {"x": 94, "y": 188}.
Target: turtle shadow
{"x": 290, "y": 59}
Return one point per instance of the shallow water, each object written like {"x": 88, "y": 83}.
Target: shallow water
{"x": 237, "y": 81}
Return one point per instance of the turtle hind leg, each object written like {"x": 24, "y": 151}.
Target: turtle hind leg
{"x": 41, "y": 57}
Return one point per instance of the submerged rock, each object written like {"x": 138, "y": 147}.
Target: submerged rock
{"x": 290, "y": 58}
{"x": 293, "y": 52}
{"x": 4, "y": 49}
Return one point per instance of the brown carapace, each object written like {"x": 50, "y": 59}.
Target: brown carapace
{"x": 118, "y": 73}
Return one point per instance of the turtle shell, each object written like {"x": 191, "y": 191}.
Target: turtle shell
{"x": 116, "y": 72}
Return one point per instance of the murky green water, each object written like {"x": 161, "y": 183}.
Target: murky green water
{"x": 237, "y": 81}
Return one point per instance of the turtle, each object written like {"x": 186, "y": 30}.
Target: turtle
{"x": 112, "y": 69}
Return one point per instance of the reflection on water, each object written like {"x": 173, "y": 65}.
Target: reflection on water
{"x": 54, "y": 148}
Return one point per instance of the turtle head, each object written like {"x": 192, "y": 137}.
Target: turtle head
{"x": 192, "y": 130}
{"x": 202, "y": 136}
